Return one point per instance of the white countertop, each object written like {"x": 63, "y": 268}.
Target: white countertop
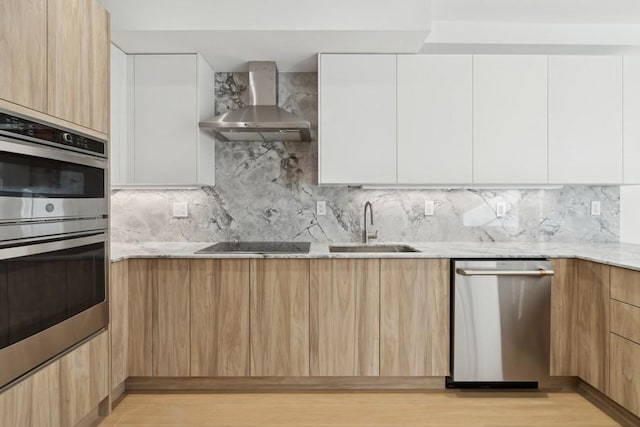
{"x": 617, "y": 254}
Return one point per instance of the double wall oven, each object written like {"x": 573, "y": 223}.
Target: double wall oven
{"x": 53, "y": 242}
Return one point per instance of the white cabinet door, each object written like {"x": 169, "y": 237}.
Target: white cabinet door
{"x": 165, "y": 119}
{"x": 434, "y": 119}
{"x": 585, "y": 119}
{"x": 509, "y": 119}
{"x": 118, "y": 135}
{"x": 631, "y": 122}
{"x": 357, "y": 119}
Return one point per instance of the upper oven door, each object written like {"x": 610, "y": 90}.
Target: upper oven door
{"x": 38, "y": 182}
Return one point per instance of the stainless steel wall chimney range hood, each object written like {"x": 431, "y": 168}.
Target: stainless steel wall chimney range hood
{"x": 262, "y": 120}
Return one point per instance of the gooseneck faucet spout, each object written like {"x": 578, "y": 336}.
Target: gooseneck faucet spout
{"x": 367, "y": 235}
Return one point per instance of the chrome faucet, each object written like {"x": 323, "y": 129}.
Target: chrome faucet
{"x": 367, "y": 235}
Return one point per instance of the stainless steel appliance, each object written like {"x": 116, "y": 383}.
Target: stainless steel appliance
{"x": 53, "y": 242}
{"x": 262, "y": 119}
{"x": 501, "y": 321}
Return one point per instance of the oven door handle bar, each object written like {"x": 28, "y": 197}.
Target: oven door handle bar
{"x": 537, "y": 273}
{"x": 58, "y": 245}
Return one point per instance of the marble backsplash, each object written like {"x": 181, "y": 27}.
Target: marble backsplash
{"x": 268, "y": 191}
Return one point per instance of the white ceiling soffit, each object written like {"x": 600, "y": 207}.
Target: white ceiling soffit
{"x": 229, "y": 33}
{"x": 601, "y": 24}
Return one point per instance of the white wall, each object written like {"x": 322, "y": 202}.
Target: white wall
{"x": 630, "y": 214}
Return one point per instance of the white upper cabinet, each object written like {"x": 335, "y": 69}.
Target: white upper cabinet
{"x": 631, "y": 128}
{"x": 168, "y": 143}
{"x": 585, "y": 119}
{"x": 509, "y": 119}
{"x": 434, "y": 119}
{"x": 357, "y": 119}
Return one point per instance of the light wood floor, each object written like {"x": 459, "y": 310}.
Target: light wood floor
{"x": 358, "y": 409}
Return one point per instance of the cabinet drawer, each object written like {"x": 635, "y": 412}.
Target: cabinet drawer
{"x": 625, "y": 373}
{"x": 625, "y": 320}
{"x": 625, "y": 285}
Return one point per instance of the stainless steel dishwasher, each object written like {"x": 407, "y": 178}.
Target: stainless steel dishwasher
{"x": 500, "y": 322}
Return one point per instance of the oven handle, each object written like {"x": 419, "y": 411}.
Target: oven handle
{"x": 58, "y": 245}
{"x": 537, "y": 273}
{"x": 11, "y": 146}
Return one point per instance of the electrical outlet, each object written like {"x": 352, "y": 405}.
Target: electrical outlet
{"x": 180, "y": 209}
{"x": 595, "y": 208}
{"x": 501, "y": 209}
{"x": 321, "y": 208}
{"x": 429, "y": 207}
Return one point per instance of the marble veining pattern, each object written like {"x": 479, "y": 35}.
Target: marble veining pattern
{"x": 268, "y": 191}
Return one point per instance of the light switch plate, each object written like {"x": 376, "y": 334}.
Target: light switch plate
{"x": 180, "y": 209}
{"x": 429, "y": 207}
{"x": 321, "y": 208}
{"x": 501, "y": 209}
{"x": 596, "y": 208}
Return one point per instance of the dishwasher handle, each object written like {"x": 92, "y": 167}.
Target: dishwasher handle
{"x": 536, "y": 273}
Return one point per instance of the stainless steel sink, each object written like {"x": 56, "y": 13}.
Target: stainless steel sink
{"x": 373, "y": 248}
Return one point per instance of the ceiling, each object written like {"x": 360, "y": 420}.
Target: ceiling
{"x": 291, "y": 32}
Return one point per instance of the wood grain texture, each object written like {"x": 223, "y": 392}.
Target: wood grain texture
{"x": 279, "y": 317}
{"x": 34, "y": 401}
{"x": 219, "y": 317}
{"x": 140, "y": 317}
{"x": 625, "y": 285}
{"x": 344, "y": 317}
{"x": 625, "y": 373}
{"x": 625, "y": 320}
{"x": 55, "y": 121}
{"x": 171, "y": 317}
{"x": 414, "y": 317}
{"x": 119, "y": 326}
{"x": 84, "y": 379}
{"x": 593, "y": 324}
{"x": 78, "y": 62}
{"x": 23, "y": 42}
{"x": 564, "y": 318}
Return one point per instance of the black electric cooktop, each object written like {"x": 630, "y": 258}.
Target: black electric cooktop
{"x": 257, "y": 247}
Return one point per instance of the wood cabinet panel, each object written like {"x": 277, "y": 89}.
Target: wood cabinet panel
{"x": 564, "y": 318}
{"x": 593, "y": 324}
{"x": 625, "y": 320}
{"x": 84, "y": 379}
{"x": 625, "y": 285}
{"x": 171, "y": 344}
{"x": 78, "y": 63}
{"x": 23, "y": 37}
{"x": 625, "y": 373}
{"x": 34, "y": 401}
{"x": 345, "y": 317}
{"x": 414, "y": 317}
{"x": 140, "y": 317}
{"x": 279, "y": 313}
{"x": 220, "y": 318}
{"x": 119, "y": 326}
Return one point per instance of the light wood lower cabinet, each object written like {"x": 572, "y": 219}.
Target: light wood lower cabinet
{"x": 345, "y": 317}
{"x": 219, "y": 318}
{"x": 159, "y": 317}
{"x": 84, "y": 379}
{"x": 119, "y": 326}
{"x": 414, "y": 317}
{"x": 564, "y": 318}
{"x": 625, "y": 373}
{"x": 279, "y": 313}
{"x": 625, "y": 285}
{"x": 593, "y": 324}
{"x": 62, "y": 393}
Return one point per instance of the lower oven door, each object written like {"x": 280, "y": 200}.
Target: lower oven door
{"x": 52, "y": 296}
